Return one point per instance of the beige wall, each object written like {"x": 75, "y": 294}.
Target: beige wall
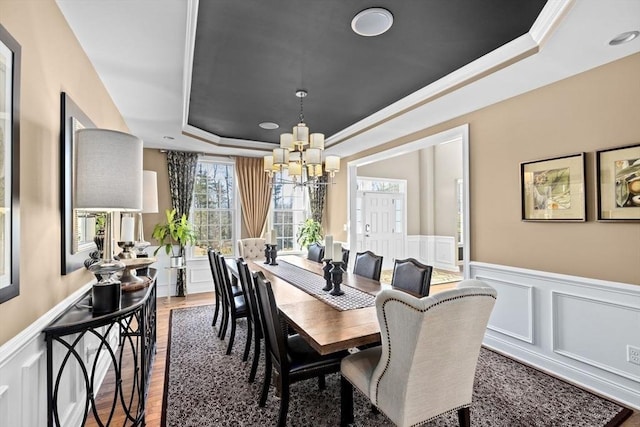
{"x": 447, "y": 168}
{"x": 594, "y": 110}
{"x": 52, "y": 62}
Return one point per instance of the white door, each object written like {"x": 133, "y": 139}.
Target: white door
{"x": 381, "y": 225}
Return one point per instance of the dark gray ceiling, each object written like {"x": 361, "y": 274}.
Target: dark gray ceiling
{"x": 251, "y": 55}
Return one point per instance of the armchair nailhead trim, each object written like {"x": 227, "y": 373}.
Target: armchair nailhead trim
{"x": 386, "y": 324}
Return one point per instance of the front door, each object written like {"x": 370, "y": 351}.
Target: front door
{"x": 381, "y": 225}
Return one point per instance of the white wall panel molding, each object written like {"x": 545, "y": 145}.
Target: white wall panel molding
{"x": 33, "y": 380}
{"x": 23, "y": 382}
{"x": 4, "y": 405}
{"x": 513, "y": 313}
{"x": 579, "y": 327}
{"x": 607, "y": 315}
{"x": 438, "y": 251}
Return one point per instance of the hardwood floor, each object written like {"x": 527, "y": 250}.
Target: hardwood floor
{"x": 156, "y": 390}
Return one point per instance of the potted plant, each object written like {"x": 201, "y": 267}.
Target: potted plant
{"x": 309, "y": 232}
{"x": 175, "y": 231}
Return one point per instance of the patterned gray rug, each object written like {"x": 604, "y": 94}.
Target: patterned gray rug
{"x": 203, "y": 387}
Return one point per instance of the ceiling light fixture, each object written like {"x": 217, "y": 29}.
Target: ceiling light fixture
{"x": 269, "y": 125}
{"x": 624, "y": 38}
{"x": 301, "y": 154}
{"x": 372, "y": 22}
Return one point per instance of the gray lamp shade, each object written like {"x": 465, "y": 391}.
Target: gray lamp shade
{"x": 108, "y": 171}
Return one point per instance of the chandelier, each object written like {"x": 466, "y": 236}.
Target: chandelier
{"x": 301, "y": 154}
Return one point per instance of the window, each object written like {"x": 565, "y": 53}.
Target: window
{"x": 289, "y": 207}
{"x": 214, "y": 207}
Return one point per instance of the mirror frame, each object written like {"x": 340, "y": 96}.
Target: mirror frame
{"x": 12, "y": 147}
{"x": 69, "y": 111}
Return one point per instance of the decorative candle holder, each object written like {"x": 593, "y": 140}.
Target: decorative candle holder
{"x": 267, "y": 253}
{"x": 273, "y": 253}
{"x": 336, "y": 277}
{"x": 327, "y": 274}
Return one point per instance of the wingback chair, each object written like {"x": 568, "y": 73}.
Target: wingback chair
{"x": 426, "y": 364}
{"x": 252, "y": 248}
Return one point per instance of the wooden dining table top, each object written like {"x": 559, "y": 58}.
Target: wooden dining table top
{"x": 325, "y": 328}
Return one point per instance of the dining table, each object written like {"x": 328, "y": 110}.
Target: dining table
{"x": 328, "y": 323}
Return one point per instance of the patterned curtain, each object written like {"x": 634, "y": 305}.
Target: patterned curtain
{"x": 182, "y": 175}
{"x": 317, "y": 198}
{"x": 255, "y": 193}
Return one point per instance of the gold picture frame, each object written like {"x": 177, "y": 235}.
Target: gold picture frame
{"x": 553, "y": 190}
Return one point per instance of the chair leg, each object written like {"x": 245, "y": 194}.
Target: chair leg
{"x": 256, "y": 358}
{"x": 232, "y": 336}
{"x": 215, "y": 313}
{"x": 464, "y": 417}
{"x": 247, "y": 345}
{"x": 284, "y": 402}
{"x": 267, "y": 380}
{"x": 225, "y": 321}
{"x": 346, "y": 402}
{"x": 322, "y": 384}
{"x": 374, "y": 409}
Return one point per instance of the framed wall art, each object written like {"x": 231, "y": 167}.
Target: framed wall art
{"x": 77, "y": 227}
{"x": 10, "y": 55}
{"x": 618, "y": 176}
{"x": 553, "y": 189}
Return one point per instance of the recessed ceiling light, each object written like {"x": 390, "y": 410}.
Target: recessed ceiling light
{"x": 624, "y": 37}
{"x": 168, "y": 137}
{"x": 372, "y": 22}
{"x": 269, "y": 125}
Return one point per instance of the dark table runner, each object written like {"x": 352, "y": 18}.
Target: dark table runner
{"x": 312, "y": 284}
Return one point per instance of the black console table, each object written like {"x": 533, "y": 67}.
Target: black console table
{"x": 135, "y": 327}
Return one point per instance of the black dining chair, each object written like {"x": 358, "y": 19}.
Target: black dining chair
{"x": 246, "y": 281}
{"x": 236, "y": 305}
{"x": 315, "y": 252}
{"x": 345, "y": 256}
{"x": 368, "y": 264}
{"x": 411, "y": 275}
{"x": 217, "y": 289}
{"x": 290, "y": 355}
{"x": 221, "y": 288}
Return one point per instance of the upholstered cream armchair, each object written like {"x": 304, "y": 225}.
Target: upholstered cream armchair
{"x": 427, "y": 361}
{"x": 252, "y": 248}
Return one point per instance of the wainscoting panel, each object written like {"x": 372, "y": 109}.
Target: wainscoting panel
{"x": 34, "y": 374}
{"x": 580, "y": 327}
{"x": 438, "y": 251}
{"x": 23, "y": 373}
{"x": 199, "y": 277}
{"x": 610, "y": 317}
{"x": 513, "y": 313}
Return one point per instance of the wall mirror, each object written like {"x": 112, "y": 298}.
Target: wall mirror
{"x": 78, "y": 227}
{"x": 10, "y": 53}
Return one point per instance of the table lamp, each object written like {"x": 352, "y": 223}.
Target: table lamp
{"x": 108, "y": 179}
{"x": 149, "y": 205}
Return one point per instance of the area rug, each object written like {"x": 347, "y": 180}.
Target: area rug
{"x": 203, "y": 387}
{"x": 438, "y": 277}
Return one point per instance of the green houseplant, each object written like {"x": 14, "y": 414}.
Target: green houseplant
{"x": 175, "y": 231}
{"x": 309, "y": 232}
